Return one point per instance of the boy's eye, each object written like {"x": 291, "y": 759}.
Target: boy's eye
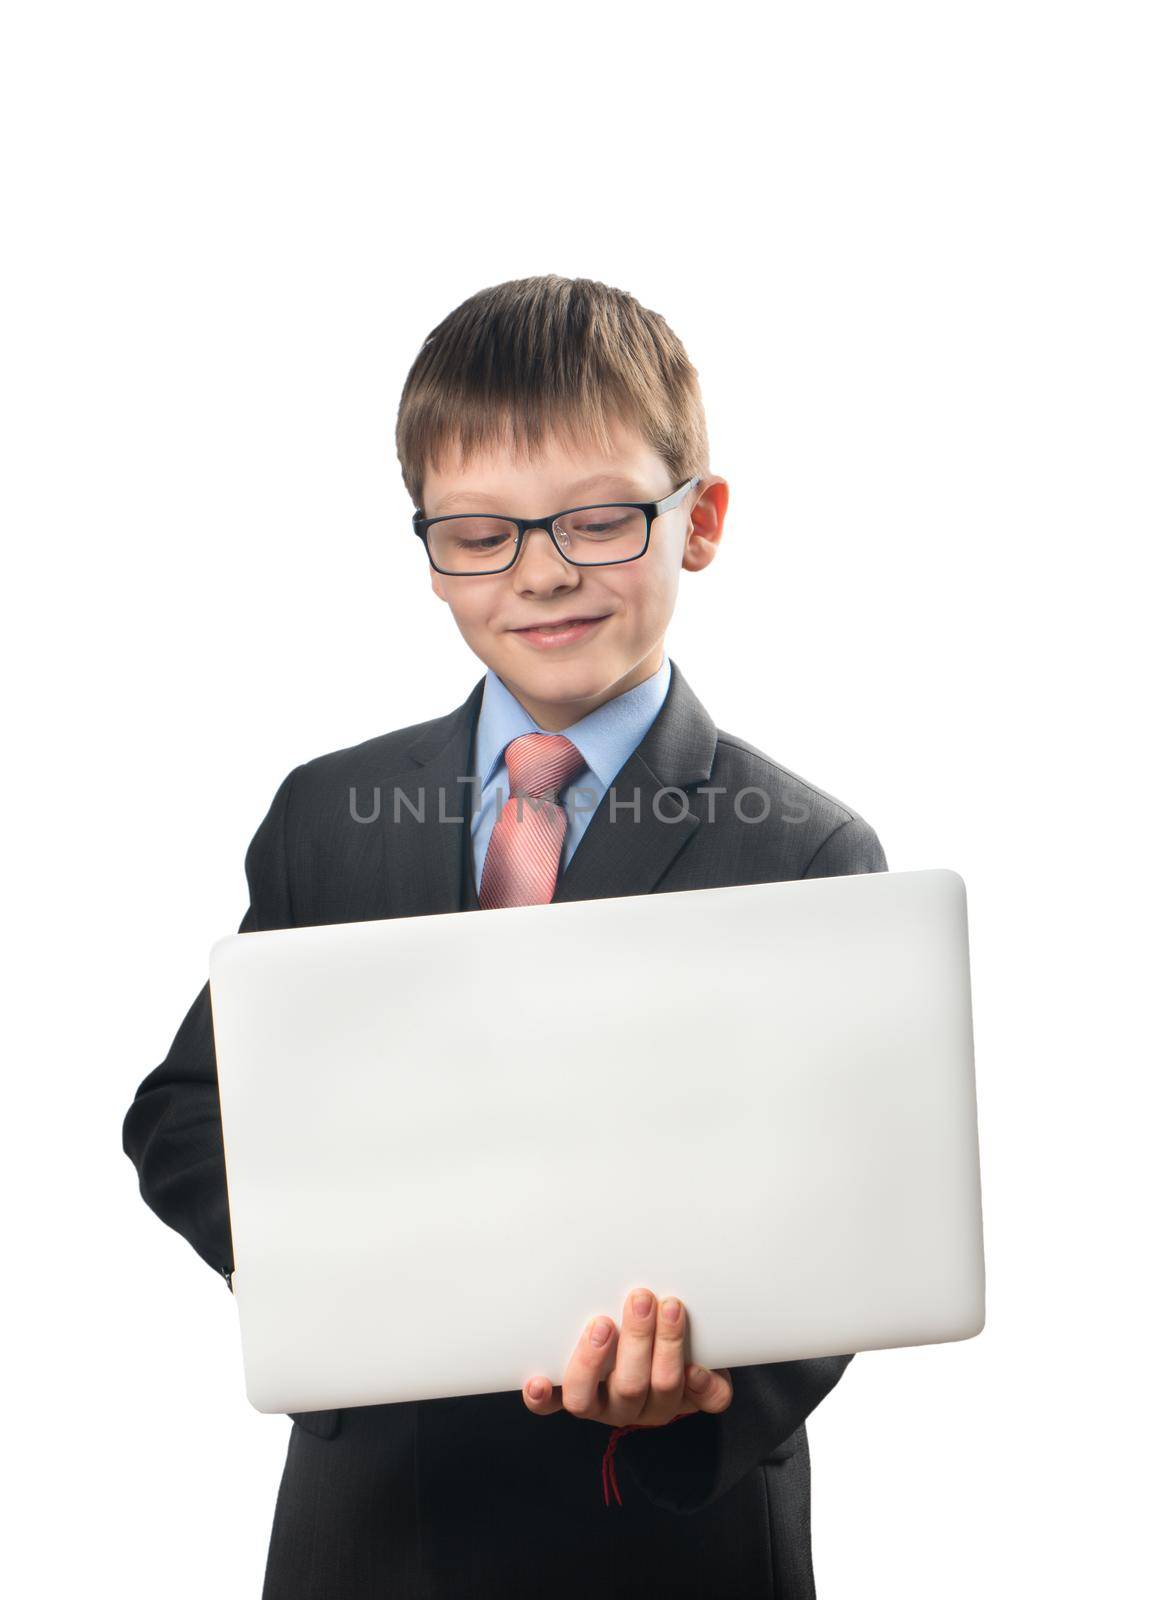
{"x": 597, "y": 529}
{"x": 604, "y": 522}
{"x": 475, "y": 533}
{"x": 491, "y": 543}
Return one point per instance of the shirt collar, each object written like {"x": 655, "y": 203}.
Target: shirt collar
{"x": 605, "y": 738}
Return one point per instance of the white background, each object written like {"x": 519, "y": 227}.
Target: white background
{"x": 906, "y": 247}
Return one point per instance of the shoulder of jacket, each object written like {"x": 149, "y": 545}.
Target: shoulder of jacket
{"x": 740, "y": 758}
{"x": 378, "y": 758}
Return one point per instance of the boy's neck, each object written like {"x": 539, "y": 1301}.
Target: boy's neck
{"x": 555, "y": 716}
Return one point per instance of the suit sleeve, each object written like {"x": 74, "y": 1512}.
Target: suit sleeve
{"x": 690, "y": 1463}
{"x": 851, "y": 847}
{"x": 172, "y": 1130}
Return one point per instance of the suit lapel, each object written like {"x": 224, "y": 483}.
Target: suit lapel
{"x": 426, "y": 870}
{"x": 630, "y": 854}
{"x": 424, "y": 856}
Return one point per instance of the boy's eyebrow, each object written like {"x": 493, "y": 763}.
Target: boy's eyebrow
{"x": 601, "y": 481}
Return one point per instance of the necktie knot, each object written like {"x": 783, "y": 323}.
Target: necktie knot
{"x": 541, "y": 764}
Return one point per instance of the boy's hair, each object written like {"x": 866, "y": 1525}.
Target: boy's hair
{"x": 539, "y": 356}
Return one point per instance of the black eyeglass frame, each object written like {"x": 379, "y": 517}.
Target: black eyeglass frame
{"x": 650, "y": 508}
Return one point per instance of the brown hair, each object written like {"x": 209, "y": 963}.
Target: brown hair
{"x": 539, "y": 356}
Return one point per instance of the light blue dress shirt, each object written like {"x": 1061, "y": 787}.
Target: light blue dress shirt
{"x": 605, "y": 738}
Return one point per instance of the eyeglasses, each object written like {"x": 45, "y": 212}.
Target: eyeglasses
{"x": 586, "y": 536}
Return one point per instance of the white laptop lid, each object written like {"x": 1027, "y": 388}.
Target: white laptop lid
{"x": 452, "y": 1139}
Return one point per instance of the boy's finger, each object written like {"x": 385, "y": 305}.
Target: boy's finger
{"x": 584, "y": 1372}
{"x": 710, "y": 1391}
{"x": 667, "y": 1359}
{"x": 630, "y": 1381}
{"x": 546, "y": 1401}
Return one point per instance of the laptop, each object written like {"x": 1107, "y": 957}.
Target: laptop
{"x": 452, "y": 1139}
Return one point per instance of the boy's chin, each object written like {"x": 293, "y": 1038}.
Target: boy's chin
{"x": 569, "y": 675}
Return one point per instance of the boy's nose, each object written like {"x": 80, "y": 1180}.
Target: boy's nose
{"x": 539, "y": 562}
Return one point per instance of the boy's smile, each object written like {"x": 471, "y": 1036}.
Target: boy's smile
{"x": 564, "y": 639}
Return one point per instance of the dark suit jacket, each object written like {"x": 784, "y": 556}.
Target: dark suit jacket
{"x": 476, "y": 1496}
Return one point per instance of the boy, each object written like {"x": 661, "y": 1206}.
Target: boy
{"x": 581, "y": 765}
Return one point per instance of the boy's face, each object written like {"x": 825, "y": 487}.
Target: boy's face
{"x": 560, "y": 683}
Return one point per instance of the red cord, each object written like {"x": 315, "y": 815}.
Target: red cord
{"x": 608, "y": 1467}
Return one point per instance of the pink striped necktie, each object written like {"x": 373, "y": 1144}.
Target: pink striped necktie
{"x": 523, "y": 856}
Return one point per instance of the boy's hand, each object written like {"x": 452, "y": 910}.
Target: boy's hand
{"x": 647, "y": 1385}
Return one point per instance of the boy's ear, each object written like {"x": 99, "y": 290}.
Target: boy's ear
{"x": 705, "y": 528}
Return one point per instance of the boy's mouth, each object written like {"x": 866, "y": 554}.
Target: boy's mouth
{"x": 557, "y": 633}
